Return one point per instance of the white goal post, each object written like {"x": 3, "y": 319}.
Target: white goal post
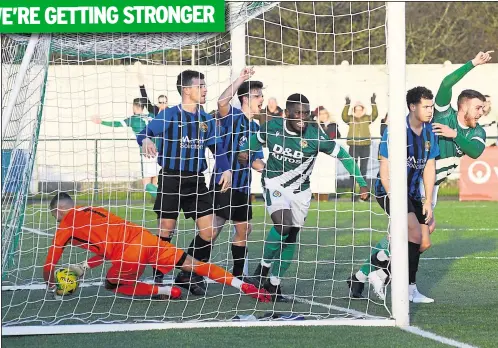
{"x": 96, "y": 77}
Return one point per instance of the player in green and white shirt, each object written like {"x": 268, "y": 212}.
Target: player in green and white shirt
{"x": 458, "y": 130}
{"x": 137, "y": 122}
{"x": 293, "y": 148}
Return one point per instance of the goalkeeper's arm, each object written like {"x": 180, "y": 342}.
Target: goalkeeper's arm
{"x": 81, "y": 268}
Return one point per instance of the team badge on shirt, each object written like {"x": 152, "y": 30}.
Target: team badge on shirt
{"x": 203, "y": 127}
{"x": 427, "y": 146}
{"x": 304, "y": 143}
{"x": 277, "y": 194}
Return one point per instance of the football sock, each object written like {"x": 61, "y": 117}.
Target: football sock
{"x": 239, "y": 258}
{"x": 286, "y": 256}
{"x": 383, "y": 245}
{"x": 137, "y": 288}
{"x": 151, "y": 189}
{"x": 413, "y": 260}
{"x": 272, "y": 245}
{"x": 200, "y": 249}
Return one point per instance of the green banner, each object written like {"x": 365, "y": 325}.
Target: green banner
{"x": 112, "y": 16}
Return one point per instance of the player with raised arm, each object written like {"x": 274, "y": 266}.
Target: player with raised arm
{"x": 185, "y": 131}
{"x": 238, "y": 126}
{"x": 458, "y": 130}
{"x": 294, "y": 146}
{"x": 138, "y": 121}
{"x": 422, "y": 149}
{"x": 129, "y": 247}
{"x": 162, "y": 100}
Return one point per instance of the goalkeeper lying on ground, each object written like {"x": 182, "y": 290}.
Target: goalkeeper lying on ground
{"x": 130, "y": 248}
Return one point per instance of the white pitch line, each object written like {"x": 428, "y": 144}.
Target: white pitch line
{"x": 419, "y": 332}
{"x": 355, "y": 313}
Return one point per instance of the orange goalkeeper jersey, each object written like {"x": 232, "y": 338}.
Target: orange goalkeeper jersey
{"x": 94, "y": 229}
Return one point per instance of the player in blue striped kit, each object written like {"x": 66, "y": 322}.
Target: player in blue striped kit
{"x": 184, "y": 132}
{"x": 237, "y": 127}
{"x": 422, "y": 150}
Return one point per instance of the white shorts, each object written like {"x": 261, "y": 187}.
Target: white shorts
{"x": 278, "y": 197}
{"x": 150, "y": 167}
{"x": 434, "y": 193}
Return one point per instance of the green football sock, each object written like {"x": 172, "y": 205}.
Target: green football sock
{"x": 273, "y": 243}
{"x": 151, "y": 189}
{"x": 286, "y": 256}
{"x": 366, "y": 268}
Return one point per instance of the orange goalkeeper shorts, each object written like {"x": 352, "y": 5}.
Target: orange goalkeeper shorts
{"x": 145, "y": 250}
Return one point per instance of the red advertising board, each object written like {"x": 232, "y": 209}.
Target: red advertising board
{"x": 479, "y": 177}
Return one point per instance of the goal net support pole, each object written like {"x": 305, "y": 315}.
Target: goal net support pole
{"x": 396, "y": 59}
{"x": 30, "y": 50}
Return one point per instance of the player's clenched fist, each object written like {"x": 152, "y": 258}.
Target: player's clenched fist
{"x": 243, "y": 158}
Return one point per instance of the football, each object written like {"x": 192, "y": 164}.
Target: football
{"x": 66, "y": 282}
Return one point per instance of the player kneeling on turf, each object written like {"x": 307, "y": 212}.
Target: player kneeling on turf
{"x": 130, "y": 248}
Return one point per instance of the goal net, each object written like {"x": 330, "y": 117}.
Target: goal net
{"x": 65, "y": 102}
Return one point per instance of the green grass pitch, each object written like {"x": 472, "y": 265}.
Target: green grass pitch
{"x": 458, "y": 272}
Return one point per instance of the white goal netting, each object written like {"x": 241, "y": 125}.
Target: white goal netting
{"x": 53, "y": 142}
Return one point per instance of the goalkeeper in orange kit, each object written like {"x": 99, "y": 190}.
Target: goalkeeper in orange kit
{"x": 130, "y": 248}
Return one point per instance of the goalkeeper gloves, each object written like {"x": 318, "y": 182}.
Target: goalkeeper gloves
{"x": 80, "y": 268}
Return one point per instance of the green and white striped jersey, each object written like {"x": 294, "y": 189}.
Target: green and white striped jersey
{"x": 292, "y": 156}
{"x": 449, "y": 152}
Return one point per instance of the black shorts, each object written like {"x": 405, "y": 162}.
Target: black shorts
{"x": 187, "y": 192}
{"x": 232, "y": 205}
{"x": 414, "y": 206}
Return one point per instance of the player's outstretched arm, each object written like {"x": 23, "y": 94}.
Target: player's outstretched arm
{"x": 443, "y": 96}
{"x": 141, "y": 84}
{"x": 253, "y": 144}
{"x": 352, "y": 167}
{"x": 123, "y": 123}
{"x": 226, "y": 96}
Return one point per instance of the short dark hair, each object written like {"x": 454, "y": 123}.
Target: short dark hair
{"x": 185, "y": 78}
{"x": 60, "y": 197}
{"x": 416, "y": 94}
{"x": 142, "y": 102}
{"x": 162, "y": 96}
{"x": 469, "y": 94}
{"x": 487, "y": 96}
{"x": 246, "y": 87}
{"x": 295, "y": 99}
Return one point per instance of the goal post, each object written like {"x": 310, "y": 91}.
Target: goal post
{"x": 396, "y": 62}
{"x": 72, "y": 82}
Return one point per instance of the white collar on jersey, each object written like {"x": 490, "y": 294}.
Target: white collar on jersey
{"x": 461, "y": 125}
{"x": 287, "y": 129}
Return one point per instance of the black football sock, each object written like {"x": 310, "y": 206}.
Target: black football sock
{"x": 413, "y": 260}
{"x": 239, "y": 258}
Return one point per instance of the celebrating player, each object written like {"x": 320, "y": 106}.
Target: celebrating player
{"x": 293, "y": 147}
{"x": 184, "y": 131}
{"x": 238, "y": 126}
{"x": 162, "y": 100}
{"x": 137, "y": 122}
{"x": 422, "y": 149}
{"x": 130, "y": 248}
{"x": 458, "y": 131}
